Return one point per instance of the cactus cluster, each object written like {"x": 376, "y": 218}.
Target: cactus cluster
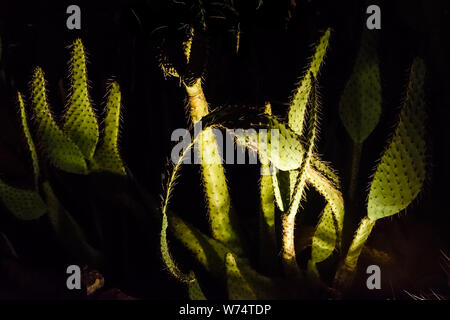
{"x": 397, "y": 180}
{"x": 290, "y": 163}
{"x": 73, "y": 147}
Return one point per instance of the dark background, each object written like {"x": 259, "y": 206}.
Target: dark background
{"x": 122, "y": 39}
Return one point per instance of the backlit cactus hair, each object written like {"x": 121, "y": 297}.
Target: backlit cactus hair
{"x": 75, "y": 147}
{"x": 294, "y": 152}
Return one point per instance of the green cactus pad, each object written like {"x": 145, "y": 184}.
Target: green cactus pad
{"x": 360, "y": 105}
{"x": 238, "y": 287}
{"x": 209, "y": 252}
{"x": 62, "y": 152}
{"x": 267, "y": 197}
{"x": 281, "y": 145}
{"x": 310, "y": 138}
{"x": 243, "y": 282}
{"x": 195, "y": 291}
{"x": 326, "y": 171}
{"x": 297, "y": 109}
{"x": 266, "y": 188}
{"x": 282, "y": 190}
{"x": 267, "y": 233}
{"x": 29, "y": 139}
{"x": 401, "y": 171}
{"x": 332, "y": 195}
{"x": 213, "y": 172}
{"x": 24, "y": 204}
{"x": 324, "y": 239}
{"x": 80, "y": 122}
{"x": 216, "y": 192}
{"x": 107, "y": 155}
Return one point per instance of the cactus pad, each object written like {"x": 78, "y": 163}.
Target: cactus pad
{"x": 80, "y": 122}
{"x": 401, "y": 171}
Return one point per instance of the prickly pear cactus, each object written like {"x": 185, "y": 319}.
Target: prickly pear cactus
{"x": 62, "y": 152}
{"x": 70, "y": 149}
{"x": 213, "y": 173}
{"x": 29, "y": 139}
{"x": 195, "y": 291}
{"x": 73, "y": 147}
{"x": 80, "y": 122}
{"x": 401, "y": 172}
{"x": 288, "y": 163}
{"x": 107, "y": 155}
{"x": 297, "y": 109}
{"x": 24, "y": 204}
{"x": 238, "y": 287}
{"x": 324, "y": 239}
{"x": 360, "y": 105}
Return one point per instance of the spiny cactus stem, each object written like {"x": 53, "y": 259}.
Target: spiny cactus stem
{"x": 345, "y": 273}
{"x": 213, "y": 173}
{"x": 290, "y": 265}
{"x": 197, "y": 101}
{"x": 353, "y": 206}
{"x": 166, "y": 256}
{"x": 354, "y": 171}
{"x": 288, "y": 220}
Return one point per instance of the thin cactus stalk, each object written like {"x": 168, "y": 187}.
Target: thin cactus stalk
{"x": 288, "y": 219}
{"x": 165, "y": 253}
{"x": 345, "y": 273}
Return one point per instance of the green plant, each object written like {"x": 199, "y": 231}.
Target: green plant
{"x": 72, "y": 147}
{"x": 398, "y": 179}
